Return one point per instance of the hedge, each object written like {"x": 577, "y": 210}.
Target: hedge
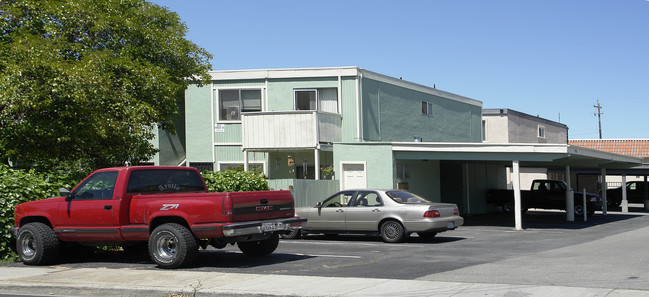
{"x": 234, "y": 181}
{"x": 18, "y": 186}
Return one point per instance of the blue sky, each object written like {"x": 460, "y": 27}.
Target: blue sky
{"x": 551, "y": 58}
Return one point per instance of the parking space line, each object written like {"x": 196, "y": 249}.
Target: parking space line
{"x": 329, "y": 256}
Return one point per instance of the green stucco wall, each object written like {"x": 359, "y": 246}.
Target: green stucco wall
{"x": 393, "y": 113}
{"x": 423, "y": 178}
{"x": 377, "y": 157}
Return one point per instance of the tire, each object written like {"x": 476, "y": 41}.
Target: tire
{"x": 171, "y": 245}
{"x": 579, "y": 210}
{"x": 259, "y": 248}
{"x": 427, "y": 235}
{"x": 37, "y": 244}
{"x": 295, "y": 233}
{"x": 392, "y": 231}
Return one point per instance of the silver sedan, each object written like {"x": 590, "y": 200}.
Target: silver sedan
{"x": 394, "y": 214}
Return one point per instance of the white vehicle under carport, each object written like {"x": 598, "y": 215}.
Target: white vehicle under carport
{"x": 394, "y": 214}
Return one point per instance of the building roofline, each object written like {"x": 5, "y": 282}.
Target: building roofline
{"x": 419, "y": 87}
{"x": 279, "y": 73}
{"x": 499, "y": 111}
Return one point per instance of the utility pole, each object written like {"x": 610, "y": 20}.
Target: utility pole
{"x": 599, "y": 117}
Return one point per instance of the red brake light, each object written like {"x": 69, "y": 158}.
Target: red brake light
{"x": 432, "y": 214}
{"x": 226, "y": 209}
{"x": 456, "y": 212}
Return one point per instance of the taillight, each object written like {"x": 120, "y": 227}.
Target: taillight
{"x": 432, "y": 214}
{"x": 456, "y": 212}
{"x": 226, "y": 210}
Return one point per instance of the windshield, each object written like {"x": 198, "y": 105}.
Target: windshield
{"x": 406, "y": 197}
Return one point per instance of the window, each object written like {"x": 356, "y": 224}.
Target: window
{"x": 256, "y": 167}
{"x": 305, "y": 100}
{"x": 426, "y": 108}
{"x": 202, "y": 166}
{"x": 99, "y": 186}
{"x": 339, "y": 199}
{"x": 484, "y": 130}
{"x": 368, "y": 199}
{"x": 163, "y": 180}
{"x": 325, "y": 99}
{"x": 541, "y": 132}
{"x": 232, "y": 102}
{"x": 403, "y": 172}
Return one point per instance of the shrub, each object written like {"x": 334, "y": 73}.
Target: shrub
{"x": 234, "y": 181}
{"x": 18, "y": 186}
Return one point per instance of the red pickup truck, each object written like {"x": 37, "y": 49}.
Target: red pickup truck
{"x": 167, "y": 207}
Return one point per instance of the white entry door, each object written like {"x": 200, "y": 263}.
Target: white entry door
{"x": 354, "y": 176}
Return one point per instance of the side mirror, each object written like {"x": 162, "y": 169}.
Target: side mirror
{"x": 318, "y": 205}
{"x": 64, "y": 192}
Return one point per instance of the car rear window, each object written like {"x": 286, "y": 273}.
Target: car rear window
{"x": 406, "y": 197}
{"x": 164, "y": 181}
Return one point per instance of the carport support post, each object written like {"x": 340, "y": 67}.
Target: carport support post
{"x": 604, "y": 188}
{"x": 317, "y": 163}
{"x": 516, "y": 180}
{"x": 245, "y": 160}
{"x": 625, "y": 203}
{"x": 570, "y": 200}
{"x": 646, "y": 194}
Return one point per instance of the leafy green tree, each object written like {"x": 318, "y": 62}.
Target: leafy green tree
{"x": 83, "y": 84}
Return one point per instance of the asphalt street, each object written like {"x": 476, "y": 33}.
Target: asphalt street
{"x": 606, "y": 252}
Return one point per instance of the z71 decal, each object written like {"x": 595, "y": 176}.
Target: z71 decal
{"x": 169, "y": 206}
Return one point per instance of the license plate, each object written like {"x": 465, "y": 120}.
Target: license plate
{"x": 266, "y": 227}
{"x": 451, "y": 225}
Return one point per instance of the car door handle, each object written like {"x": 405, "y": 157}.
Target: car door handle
{"x": 376, "y": 210}
{"x": 339, "y": 210}
{"x": 108, "y": 207}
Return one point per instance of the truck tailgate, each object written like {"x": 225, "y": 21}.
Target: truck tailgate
{"x": 254, "y": 206}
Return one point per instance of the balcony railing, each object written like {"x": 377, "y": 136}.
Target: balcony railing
{"x": 289, "y": 129}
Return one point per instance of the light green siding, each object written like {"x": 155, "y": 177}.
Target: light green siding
{"x": 422, "y": 178}
{"x": 198, "y": 115}
{"x": 393, "y": 113}
{"x": 377, "y": 157}
{"x": 228, "y": 133}
{"x": 281, "y": 91}
{"x": 233, "y": 153}
{"x": 348, "y": 111}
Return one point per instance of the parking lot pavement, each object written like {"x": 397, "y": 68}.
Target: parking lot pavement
{"x": 605, "y": 256}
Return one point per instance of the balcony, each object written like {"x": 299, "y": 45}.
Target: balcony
{"x": 279, "y": 130}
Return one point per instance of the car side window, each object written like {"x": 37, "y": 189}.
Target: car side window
{"x": 338, "y": 200}
{"x": 368, "y": 199}
{"x": 98, "y": 186}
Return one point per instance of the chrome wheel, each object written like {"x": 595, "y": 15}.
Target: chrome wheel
{"x": 28, "y": 246}
{"x": 166, "y": 245}
{"x": 172, "y": 245}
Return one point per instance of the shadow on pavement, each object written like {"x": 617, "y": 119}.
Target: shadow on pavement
{"x": 542, "y": 219}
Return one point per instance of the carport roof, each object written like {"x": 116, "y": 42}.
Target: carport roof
{"x": 528, "y": 154}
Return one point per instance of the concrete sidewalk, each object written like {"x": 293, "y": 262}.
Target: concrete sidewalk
{"x": 55, "y": 281}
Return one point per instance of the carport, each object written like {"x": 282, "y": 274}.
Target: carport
{"x": 551, "y": 156}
